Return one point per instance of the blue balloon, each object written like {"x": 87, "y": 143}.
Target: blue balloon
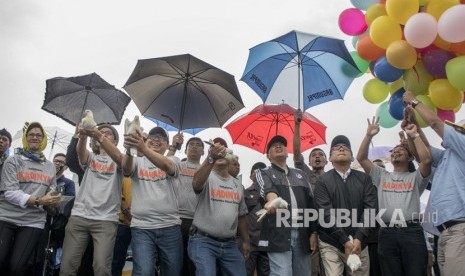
{"x": 385, "y": 71}
{"x": 363, "y": 4}
{"x": 398, "y": 94}
{"x": 397, "y": 105}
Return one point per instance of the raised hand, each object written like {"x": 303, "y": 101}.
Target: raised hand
{"x": 373, "y": 126}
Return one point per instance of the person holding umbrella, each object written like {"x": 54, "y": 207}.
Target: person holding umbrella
{"x": 97, "y": 204}
{"x": 26, "y": 190}
{"x": 155, "y": 224}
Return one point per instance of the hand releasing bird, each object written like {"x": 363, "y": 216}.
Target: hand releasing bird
{"x": 88, "y": 120}
{"x": 131, "y": 127}
{"x": 278, "y": 202}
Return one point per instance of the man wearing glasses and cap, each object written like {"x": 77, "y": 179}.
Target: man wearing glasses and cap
{"x": 448, "y": 188}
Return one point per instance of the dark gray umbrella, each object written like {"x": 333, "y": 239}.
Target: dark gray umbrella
{"x": 184, "y": 91}
{"x": 67, "y": 98}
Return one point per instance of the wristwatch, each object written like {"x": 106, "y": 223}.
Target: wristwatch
{"x": 415, "y": 102}
{"x": 210, "y": 160}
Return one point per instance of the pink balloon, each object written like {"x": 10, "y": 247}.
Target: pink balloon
{"x": 451, "y": 24}
{"x": 421, "y": 30}
{"x": 446, "y": 115}
{"x": 352, "y": 21}
{"x": 435, "y": 62}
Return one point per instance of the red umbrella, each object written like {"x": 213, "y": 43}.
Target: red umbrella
{"x": 257, "y": 127}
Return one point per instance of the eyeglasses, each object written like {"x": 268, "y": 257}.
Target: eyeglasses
{"x": 35, "y": 135}
{"x": 339, "y": 147}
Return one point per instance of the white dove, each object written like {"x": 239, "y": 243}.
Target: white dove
{"x": 131, "y": 127}
{"x": 278, "y": 202}
{"x": 88, "y": 120}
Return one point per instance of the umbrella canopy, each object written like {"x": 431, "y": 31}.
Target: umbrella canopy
{"x": 184, "y": 92}
{"x": 67, "y": 98}
{"x": 169, "y": 127}
{"x": 257, "y": 127}
{"x": 298, "y": 65}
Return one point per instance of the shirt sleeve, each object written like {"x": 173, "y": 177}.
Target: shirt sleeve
{"x": 454, "y": 140}
{"x": 242, "y": 206}
{"x": 375, "y": 174}
{"x": 17, "y": 197}
{"x": 9, "y": 179}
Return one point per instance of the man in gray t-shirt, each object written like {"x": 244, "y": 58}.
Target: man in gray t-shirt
{"x": 155, "y": 225}
{"x": 97, "y": 204}
{"x": 401, "y": 247}
{"x": 220, "y": 213}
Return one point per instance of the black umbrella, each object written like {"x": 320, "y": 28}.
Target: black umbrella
{"x": 184, "y": 91}
{"x": 67, "y": 98}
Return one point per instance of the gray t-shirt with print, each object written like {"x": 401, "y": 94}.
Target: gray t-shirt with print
{"x": 33, "y": 178}
{"x": 399, "y": 191}
{"x": 221, "y": 203}
{"x": 99, "y": 196}
{"x": 187, "y": 199}
{"x": 154, "y": 202}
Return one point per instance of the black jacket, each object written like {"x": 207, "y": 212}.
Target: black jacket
{"x": 72, "y": 160}
{"x": 274, "y": 180}
{"x": 356, "y": 192}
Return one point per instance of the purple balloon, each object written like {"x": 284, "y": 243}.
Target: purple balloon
{"x": 435, "y": 62}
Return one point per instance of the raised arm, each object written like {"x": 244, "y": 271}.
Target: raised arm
{"x": 362, "y": 155}
{"x": 296, "y": 138}
{"x": 202, "y": 173}
{"x": 425, "y": 113}
{"x": 422, "y": 150}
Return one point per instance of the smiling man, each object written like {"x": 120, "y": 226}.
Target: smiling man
{"x": 155, "y": 224}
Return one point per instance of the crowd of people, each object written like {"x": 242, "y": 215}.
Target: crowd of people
{"x": 193, "y": 217}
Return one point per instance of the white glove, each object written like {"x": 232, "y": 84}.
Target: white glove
{"x": 278, "y": 202}
{"x": 354, "y": 262}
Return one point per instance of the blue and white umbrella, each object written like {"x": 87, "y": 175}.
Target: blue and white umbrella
{"x": 299, "y": 67}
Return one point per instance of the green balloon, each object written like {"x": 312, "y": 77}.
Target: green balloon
{"x": 455, "y": 69}
{"x": 362, "y": 64}
{"x": 375, "y": 91}
{"x": 385, "y": 118}
{"x": 425, "y": 100}
{"x": 417, "y": 79}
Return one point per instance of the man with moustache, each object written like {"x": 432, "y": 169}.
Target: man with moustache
{"x": 220, "y": 214}
{"x": 345, "y": 189}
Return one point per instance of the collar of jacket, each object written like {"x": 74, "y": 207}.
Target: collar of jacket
{"x": 279, "y": 168}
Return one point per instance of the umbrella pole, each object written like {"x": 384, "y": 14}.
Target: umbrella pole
{"x": 53, "y": 144}
{"x": 299, "y": 68}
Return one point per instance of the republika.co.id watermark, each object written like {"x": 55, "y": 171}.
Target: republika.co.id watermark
{"x": 348, "y": 218}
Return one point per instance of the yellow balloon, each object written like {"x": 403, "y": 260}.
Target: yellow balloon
{"x": 395, "y": 85}
{"x": 424, "y": 99}
{"x": 385, "y": 30}
{"x": 402, "y": 10}
{"x": 444, "y": 95}
{"x": 375, "y": 91}
{"x": 437, "y": 7}
{"x": 373, "y": 12}
{"x": 457, "y": 109}
{"x": 401, "y": 55}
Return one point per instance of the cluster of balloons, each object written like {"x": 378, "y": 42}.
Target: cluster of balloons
{"x": 415, "y": 45}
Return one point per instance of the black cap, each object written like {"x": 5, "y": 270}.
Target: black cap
{"x": 341, "y": 139}
{"x": 194, "y": 139}
{"x": 5, "y": 133}
{"x": 276, "y": 139}
{"x": 160, "y": 131}
{"x": 258, "y": 165}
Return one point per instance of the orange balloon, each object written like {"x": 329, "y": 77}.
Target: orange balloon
{"x": 367, "y": 50}
{"x": 458, "y": 48}
{"x": 441, "y": 43}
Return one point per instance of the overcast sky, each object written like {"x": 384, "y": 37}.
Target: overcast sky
{"x": 51, "y": 38}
